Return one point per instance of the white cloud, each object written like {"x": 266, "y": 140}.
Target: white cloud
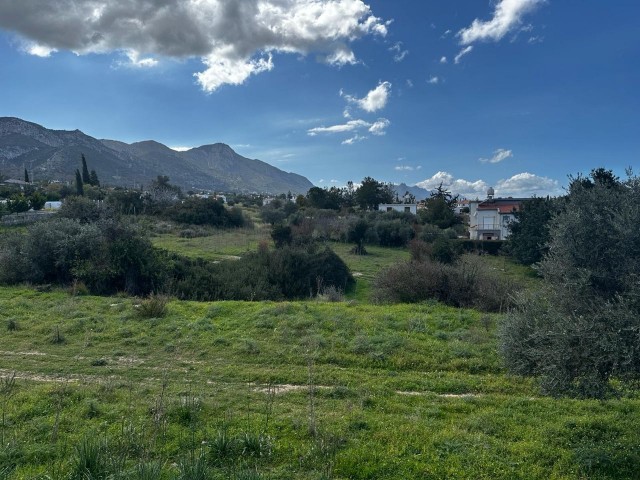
{"x": 520, "y": 185}
{"x": 375, "y": 100}
{"x": 234, "y": 38}
{"x": 498, "y": 156}
{"x": 377, "y": 128}
{"x": 350, "y": 126}
{"x": 136, "y": 61}
{"x": 444, "y": 60}
{"x": 446, "y": 34}
{"x": 180, "y": 148}
{"x": 465, "y": 188}
{"x": 399, "y": 53}
{"x": 527, "y": 185}
{"x": 380, "y": 127}
{"x": 404, "y": 168}
{"x": 462, "y": 53}
{"x": 506, "y": 17}
{"x": 433, "y": 80}
{"x": 355, "y": 139}
{"x": 409, "y": 83}
{"x": 37, "y": 50}
{"x": 223, "y": 71}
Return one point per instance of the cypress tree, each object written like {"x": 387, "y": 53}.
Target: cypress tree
{"x": 79, "y": 183}
{"x": 26, "y": 176}
{"x": 86, "y": 178}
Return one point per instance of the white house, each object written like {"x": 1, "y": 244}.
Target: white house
{"x": 489, "y": 219}
{"x": 399, "y": 207}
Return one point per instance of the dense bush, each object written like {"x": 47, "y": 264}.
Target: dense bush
{"x": 106, "y": 256}
{"x": 490, "y": 247}
{"x": 529, "y": 232}
{"x": 468, "y": 283}
{"x": 204, "y": 211}
{"x": 81, "y": 209}
{"x": 285, "y": 273}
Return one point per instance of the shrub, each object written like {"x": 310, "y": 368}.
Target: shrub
{"x": 467, "y": 283}
{"x": 153, "y": 307}
{"x": 80, "y": 208}
{"x": 330, "y": 294}
{"x": 444, "y": 250}
{"x": 285, "y": 273}
{"x": 204, "y": 211}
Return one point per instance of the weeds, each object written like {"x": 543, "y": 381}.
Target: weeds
{"x": 155, "y": 306}
{"x": 90, "y": 460}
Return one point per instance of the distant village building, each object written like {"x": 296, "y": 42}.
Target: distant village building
{"x": 52, "y": 205}
{"x": 489, "y": 219}
{"x": 399, "y": 207}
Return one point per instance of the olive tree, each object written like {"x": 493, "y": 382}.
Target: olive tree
{"x": 583, "y": 329}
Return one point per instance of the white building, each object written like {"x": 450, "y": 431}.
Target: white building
{"x": 399, "y": 207}
{"x": 489, "y": 219}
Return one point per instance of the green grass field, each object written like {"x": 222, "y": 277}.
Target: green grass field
{"x": 333, "y": 390}
{"x": 293, "y": 390}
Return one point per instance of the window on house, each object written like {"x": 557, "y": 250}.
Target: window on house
{"x": 407, "y": 209}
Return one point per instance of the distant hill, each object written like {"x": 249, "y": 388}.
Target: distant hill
{"x": 419, "y": 193}
{"x": 55, "y": 155}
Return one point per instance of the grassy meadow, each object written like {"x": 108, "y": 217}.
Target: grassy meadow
{"x": 292, "y": 390}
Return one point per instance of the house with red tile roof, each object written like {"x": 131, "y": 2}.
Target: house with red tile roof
{"x": 489, "y": 219}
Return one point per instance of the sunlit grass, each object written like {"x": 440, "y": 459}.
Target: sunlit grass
{"x": 403, "y": 391}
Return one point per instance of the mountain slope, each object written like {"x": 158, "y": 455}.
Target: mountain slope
{"x": 55, "y": 155}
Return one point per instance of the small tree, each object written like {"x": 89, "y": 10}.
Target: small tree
{"x": 37, "y": 201}
{"x": 356, "y": 234}
{"x": 18, "y": 204}
{"x": 529, "y": 232}
{"x": 372, "y": 193}
{"x": 79, "y": 184}
{"x": 26, "y": 176}
{"x": 93, "y": 179}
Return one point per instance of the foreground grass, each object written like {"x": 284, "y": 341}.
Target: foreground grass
{"x": 301, "y": 389}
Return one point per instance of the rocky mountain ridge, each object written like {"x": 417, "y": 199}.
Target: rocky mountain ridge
{"x": 55, "y": 155}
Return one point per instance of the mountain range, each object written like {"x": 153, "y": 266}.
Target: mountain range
{"x": 56, "y": 154}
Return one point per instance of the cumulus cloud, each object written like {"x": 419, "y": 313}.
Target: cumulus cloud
{"x": 506, "y": 17}
{"x": 520, "y": 185}
{"x": 498, "y": 156}
{"x": 527, "y": 185}
{"x": 433, "y": 80}
{"x": 465, "y": 188}
{"x": 462, "y": 53}
{"x": 235, "y": 38}
{"x": 375, "y": 100}
{"x": 444, "y": 60}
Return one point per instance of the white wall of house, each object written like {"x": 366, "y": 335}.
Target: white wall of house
{"x": 399, "y": 207}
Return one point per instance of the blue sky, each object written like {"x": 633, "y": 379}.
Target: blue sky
{"x": 515, "y": 94}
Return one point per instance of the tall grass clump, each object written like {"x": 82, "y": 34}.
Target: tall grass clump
{"x": 91, "y": 460}
{"x": 155, "y": 306}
